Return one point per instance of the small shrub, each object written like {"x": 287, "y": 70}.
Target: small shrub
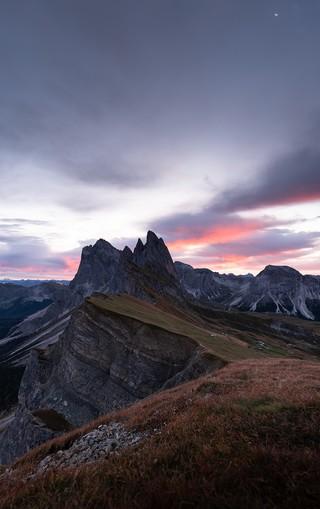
{"x": 52, "y": 419}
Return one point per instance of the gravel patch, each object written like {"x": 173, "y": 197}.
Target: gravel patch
{"x": 95, "y": 445}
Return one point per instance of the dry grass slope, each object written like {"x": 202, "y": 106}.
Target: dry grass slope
{"x": 226, "y": 347}
{"x": 246, "y": 438}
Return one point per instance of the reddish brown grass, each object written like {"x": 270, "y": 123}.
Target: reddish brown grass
{"x": 247, "y": 437}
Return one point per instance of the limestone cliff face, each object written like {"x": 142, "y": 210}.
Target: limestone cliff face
{"x": 97, "y": 270}
{"x": 103, "y": 361}
{"x": 149, "y": 268}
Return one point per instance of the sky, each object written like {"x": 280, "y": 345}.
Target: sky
{"x": 198, "y": 119}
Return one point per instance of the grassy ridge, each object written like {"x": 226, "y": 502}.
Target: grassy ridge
{"x": 246, "y": 438}
{"x": 225, "y": 347}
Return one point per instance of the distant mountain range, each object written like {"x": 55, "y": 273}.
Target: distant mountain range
{"x": 134, "y": 322}
{"x": 276, "y": 289}
{"x": 32, "y": 282}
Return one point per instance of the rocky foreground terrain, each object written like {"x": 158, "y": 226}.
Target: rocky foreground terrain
{"x": 244, "y": 437}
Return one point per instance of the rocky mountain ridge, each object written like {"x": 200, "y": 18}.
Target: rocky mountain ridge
{"x": 276, "y": 289}
{"x": 103, "y": 361}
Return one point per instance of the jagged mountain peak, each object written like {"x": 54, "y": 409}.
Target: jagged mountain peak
{"x": 139, "y": 247}
{"x": 127, "y": 253}
{"x": 102, "y": 244}
{"x": 106, "y": 269}
{"x": 154, "y": 253}
{"x": 152, "y": 238}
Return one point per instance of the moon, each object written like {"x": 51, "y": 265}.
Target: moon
{"x": 276, "y": 14}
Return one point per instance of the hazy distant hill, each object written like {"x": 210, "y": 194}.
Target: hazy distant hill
{"x": 33, "y": 282}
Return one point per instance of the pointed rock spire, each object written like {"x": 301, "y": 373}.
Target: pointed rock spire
{"x": 154, "y": 254}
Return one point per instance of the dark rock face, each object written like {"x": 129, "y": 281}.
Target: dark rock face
{"x": 103, "y": 361}
{"x": 97, "y": 270}
{"x": 105, "y": 269}
{"x": 154, "y": 255}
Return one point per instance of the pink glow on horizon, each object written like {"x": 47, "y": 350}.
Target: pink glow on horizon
{"x": 72, "y": 264}
{"x": 296, "y": 198}
{"x": 69, "y": 266}
{"x": 217, "y": 235}
{"x": 242, "y": 264}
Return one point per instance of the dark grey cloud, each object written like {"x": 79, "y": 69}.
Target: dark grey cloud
{"x": 293, "y": 178}
{"x": 102, "y": 91}
{"x": 270, "y": 242}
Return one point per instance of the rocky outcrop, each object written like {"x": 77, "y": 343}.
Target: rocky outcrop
{"x": 96, "y": 445}
{"x": 103, "y": 361}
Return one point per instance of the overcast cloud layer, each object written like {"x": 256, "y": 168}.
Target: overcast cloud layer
{"x": 197, "y": 118}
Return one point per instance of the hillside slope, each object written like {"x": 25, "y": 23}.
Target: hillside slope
{"x": 18, "y": 302}
{"x": 245, "y": 437}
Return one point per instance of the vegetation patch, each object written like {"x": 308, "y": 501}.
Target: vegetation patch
{"x": 265, "y": 404}
{"x": 214, "y": 388}
{"x": 52, "y": 419}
